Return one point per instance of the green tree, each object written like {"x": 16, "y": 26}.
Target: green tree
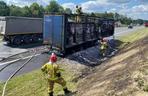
{"x": 54, "y": 7}
{"x": 140, "y": 21}
{"x": 61, "y": 9}
{"x": 15, "y": 11}
{"x": 36, "y": 10}
{"x": 26, "y": 11}
{"x": 42, "y": 10}
{"x": 92, "y": 14}
{"x": 116, "y": 16}
{"x": 99, "y": 14}
{"x": 125, "y": 20}
{"x": 108, "y": 15}
{"x": 4, "y": 9}
{"x": 68, "y": 11}
{"x": 105, "y": 15}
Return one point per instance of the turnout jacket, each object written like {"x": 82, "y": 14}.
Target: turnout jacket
{"x": 51, "y": 71}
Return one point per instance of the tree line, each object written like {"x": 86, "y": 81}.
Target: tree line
{"x": 119, "y": 18}
{"x": 36, "y": 10}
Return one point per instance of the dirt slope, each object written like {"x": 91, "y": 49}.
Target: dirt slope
{"x": 126, "y": 74}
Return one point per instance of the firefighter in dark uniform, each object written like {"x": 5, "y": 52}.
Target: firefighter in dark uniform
{"x": 52, "y": 73}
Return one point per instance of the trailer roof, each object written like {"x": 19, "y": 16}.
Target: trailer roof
{"x": 82, "y": 15}
{"x": 16, "y": 17}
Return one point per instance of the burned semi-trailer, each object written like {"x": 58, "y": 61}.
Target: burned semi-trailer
{"x": 64, "y": 33}
{"x": 18, "y": 30}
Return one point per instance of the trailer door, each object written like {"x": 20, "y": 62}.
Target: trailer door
{"x": 46, "y": 31}
{"x": 53, "y": 30}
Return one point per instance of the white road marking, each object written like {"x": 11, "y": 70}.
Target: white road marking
{"x": 12, "y": 61}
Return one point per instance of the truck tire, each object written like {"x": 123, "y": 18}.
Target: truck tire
{"x": 16, "y": 40}
{"x": 27, "y": 39}
{"x": 40, "y": 37}
{"x": 35, "y": 38}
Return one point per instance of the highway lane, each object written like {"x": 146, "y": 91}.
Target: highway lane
{"x": 39, "y": 60}
{"x": 35, "y": 63}
{"x": 6, "y": 51}
{"x": 120, "y": 31}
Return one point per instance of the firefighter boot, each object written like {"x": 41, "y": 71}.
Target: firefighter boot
{"x": 51, "y": 94}
{"x": 66, "y": 91}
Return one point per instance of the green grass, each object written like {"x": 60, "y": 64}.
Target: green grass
{"x": 145, "y": 88}
{"x": 34, "y": 84}
{"x": 131, "y": 37}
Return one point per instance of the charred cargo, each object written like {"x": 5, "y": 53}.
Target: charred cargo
{"x": 63, "y": 32}
{"x": 18, "y": 30}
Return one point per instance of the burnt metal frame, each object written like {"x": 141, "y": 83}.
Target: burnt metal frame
{"x": 84, "y": 30}
{"x": 86, "y": 17}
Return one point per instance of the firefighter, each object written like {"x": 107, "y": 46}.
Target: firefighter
{"x": 52, "y": 73}
{"x": 103, "y": 47}
{"x": 78, "y": 12}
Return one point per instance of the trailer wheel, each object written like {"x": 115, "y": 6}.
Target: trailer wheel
{"x": 40, "y": 38}
{"x": 16, "y": 40}
{"x": 35, "y": 38}
{"x": 27, "y": 39}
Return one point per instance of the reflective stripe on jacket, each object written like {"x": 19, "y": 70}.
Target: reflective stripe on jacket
{"x": 51, "y": 71}
{"x": 103, "y": 45}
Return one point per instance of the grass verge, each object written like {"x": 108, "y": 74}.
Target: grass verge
{"x": 131, "y": 37}
{"x": 34, "y": 84}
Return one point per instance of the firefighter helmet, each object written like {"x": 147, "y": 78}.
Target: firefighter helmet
{"x": 104, "y": 40}
{"x": 53, "y": 58}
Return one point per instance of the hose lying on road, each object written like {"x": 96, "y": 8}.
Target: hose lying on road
{"x": 8, "y": 65}
{"x": 13, "y": 74}
{"x": 41, "y": 50}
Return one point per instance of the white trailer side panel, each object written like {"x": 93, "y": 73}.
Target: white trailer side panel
{"x": 2, "y": 25}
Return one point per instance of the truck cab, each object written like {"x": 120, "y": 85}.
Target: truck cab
{"x": 146, "y": 24}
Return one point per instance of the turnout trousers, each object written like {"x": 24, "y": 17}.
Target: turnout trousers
{"x": 51, "y": 83}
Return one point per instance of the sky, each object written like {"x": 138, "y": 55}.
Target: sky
{"x": 131, "y": 8}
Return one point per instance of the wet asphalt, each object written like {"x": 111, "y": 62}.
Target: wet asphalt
{"x": 35, "y": 63}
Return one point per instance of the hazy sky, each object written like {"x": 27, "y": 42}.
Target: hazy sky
{"x": 132, "y": 8}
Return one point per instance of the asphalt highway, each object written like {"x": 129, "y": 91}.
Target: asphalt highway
{"x": 120, "y": 31}
{"x": 35, "y": 63}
